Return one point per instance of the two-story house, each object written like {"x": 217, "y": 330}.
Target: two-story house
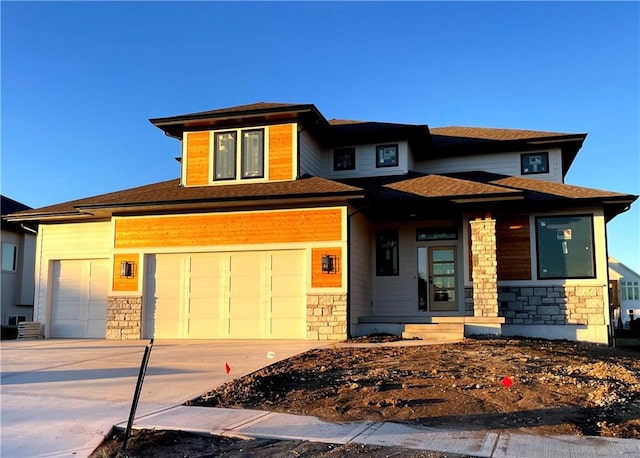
{"x": 284, "y": 225}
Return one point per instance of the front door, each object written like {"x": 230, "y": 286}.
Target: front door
{"x": 437, "y": 279}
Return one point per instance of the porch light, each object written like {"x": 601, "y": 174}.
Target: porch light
{"x": 328, "y": 264}
{"x": 127, "y": 269}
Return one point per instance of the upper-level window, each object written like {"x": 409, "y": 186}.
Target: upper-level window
{"x": 250, "y": 152}
{"x": 565, "y": 247}
{"x": 225, "y": 156}
{"x": 532, "y": 163}
{"x": 253, "y": 153}
{"x": 386, "y": 155}
{"x": 344, "y": 159}
{"x": 629, "y": 290}
{"x": 9, "y": 257}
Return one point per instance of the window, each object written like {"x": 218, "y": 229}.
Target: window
{"x": 629, "y": 291}
{"x": 565, "y": 247}
{"x": 253, "y": 153}
{"x": 344, "y": 159}
{"x": 226, "y": 165}
{"x": 386, "y": 155}
{"x": 534, "y": 163}
{"x": 9, "y": 257}
{"x": 387, "y": 253}
{"x": 436, "y": 233}
{"x": 225, "y": 156}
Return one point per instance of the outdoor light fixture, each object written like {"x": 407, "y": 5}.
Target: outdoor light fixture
{"x": 328, "y": 264}
{"x": 127, "y": 269}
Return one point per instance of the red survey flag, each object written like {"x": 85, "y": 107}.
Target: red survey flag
{"x": 507, "y": 382}
{"x": 227, "y": 368}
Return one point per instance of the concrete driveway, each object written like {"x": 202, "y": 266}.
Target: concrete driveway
{"x": 61, "y": 397}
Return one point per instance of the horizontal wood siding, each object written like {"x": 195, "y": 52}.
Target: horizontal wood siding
{"x": 361, "y": 256}
{"x": 126, "y": 284}
{"x": 320, "y": 279}
{"x": 281, "y": 152}
{"x": 197, "y": 158}
{"x": 513, "y": 248}
{"x": 366, "y": 162}
{"x": 230, "y": 229}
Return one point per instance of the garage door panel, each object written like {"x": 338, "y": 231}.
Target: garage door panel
{"x": 79, "y": 298}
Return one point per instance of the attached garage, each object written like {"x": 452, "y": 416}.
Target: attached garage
{"x": 79, "y": 298}
{"x": 240, "y": 295}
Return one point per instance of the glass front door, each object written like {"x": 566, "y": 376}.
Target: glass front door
{"x": 437, "y": 279}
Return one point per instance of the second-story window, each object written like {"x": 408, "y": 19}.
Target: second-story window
{"x": 253, "y": 153}
{"x": 225, "y": 156}
{"x": 344, "y": 159}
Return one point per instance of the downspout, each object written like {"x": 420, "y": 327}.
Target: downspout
{"x": 28, "y": 229}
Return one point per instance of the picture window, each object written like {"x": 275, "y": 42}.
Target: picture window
{"x": 344, "y": 159}
{"x": 533, "y": 163}
{"x": 9, "y": 257}
{"x": 386, "y": 155}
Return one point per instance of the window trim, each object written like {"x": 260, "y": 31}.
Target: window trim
{"x": 15, "y": 256}
{"x": 238, "y": 163}
{"x": 536, "y": 247}
{"x": 379, "y": 148}
{"x": 352, "y": 151}
{"x": 544, "y": 154}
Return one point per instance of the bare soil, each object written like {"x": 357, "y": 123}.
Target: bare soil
{"x": 558, "y": 387}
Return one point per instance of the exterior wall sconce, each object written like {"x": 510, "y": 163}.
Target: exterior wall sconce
{"x": 127, "y": 269}
{"x": 328, "y": 264}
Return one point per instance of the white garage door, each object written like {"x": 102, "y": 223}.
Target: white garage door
{"x": 79, "y": 298}
{"x": 252, "y": 295}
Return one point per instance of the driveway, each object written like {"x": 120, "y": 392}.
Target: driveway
{"x": 61, "y": 397}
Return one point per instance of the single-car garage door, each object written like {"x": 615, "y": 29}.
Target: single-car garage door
{"x": 79, "y": 298}
{"x": 245, "y": 295}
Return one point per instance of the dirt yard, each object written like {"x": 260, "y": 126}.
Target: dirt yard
{"x": 537, "y": 386}
{"x": 558, "y": 387}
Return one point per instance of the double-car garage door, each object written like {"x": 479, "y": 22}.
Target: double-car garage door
{"x": 241, "y": 295}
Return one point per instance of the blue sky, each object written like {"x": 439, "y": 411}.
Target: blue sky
{"x": 80, "y": 81}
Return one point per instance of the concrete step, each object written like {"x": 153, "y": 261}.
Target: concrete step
{"x": 434, "y": 332}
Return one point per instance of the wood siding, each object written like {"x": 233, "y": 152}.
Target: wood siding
{"x": 125, "y": 284}
{"x": 311, "y": 156}
{"x": 320, "y": 279}
{"x": 197, "y": 165}
{"x": 361, "y": 257}
{"x": 229, "y": 229}
{"x": 513, "y": 247}
{"x": 366, "y": 162}
{"x": 281, "y": 152}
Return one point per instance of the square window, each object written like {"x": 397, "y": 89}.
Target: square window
{"x": 533, "y": 163}
{"x": 565, "y": 247}
{"x": 253, "y": 153}
{"x": 387, "y": 253}
{"x": 386, "y": 155}
{"x": 9, "y": 257}
{"x": 344, "y": 159}
{"x": 224, "y": 162}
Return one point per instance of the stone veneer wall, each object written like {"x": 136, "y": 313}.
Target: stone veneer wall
{"x": 552, "y": 305}
{"x": 124, "y": 317}
{"x": 484, "y": 267}
{"x": 326, "y": 316}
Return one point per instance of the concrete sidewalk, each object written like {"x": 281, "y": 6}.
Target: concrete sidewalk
{"x": 262, "y": 425}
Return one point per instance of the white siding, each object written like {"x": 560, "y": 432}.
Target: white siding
{"x": 311, "y": 156}
{"x": 66, "y": 241}
{"x": 502, "y": 163}
{"x": 361, "y": 268}
{"x": 397, "y": 295}
{"x": 366, "y": 162}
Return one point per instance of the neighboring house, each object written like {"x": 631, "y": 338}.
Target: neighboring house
{"x": 625, "y": 285}
{"x": 18, "y": 264}
{"x": 284, "y": 225}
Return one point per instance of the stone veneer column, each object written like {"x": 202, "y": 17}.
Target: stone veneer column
{"x": 484, "y": 267}
{"x": 326, "y": 316}
{"x": 124, "y": 317}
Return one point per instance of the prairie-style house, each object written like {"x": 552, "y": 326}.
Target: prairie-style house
{"x": 284, "y": 225}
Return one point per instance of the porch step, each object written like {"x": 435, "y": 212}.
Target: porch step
{"x": 434, "y": 332}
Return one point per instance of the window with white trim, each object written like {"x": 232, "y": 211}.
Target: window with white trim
{"x": 247, "y": 154}
{"x": 630, "y": 290}
{"x": 9, "y": 257}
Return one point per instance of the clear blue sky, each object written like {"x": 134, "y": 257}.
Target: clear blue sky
{"x": 80, "y": 80}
